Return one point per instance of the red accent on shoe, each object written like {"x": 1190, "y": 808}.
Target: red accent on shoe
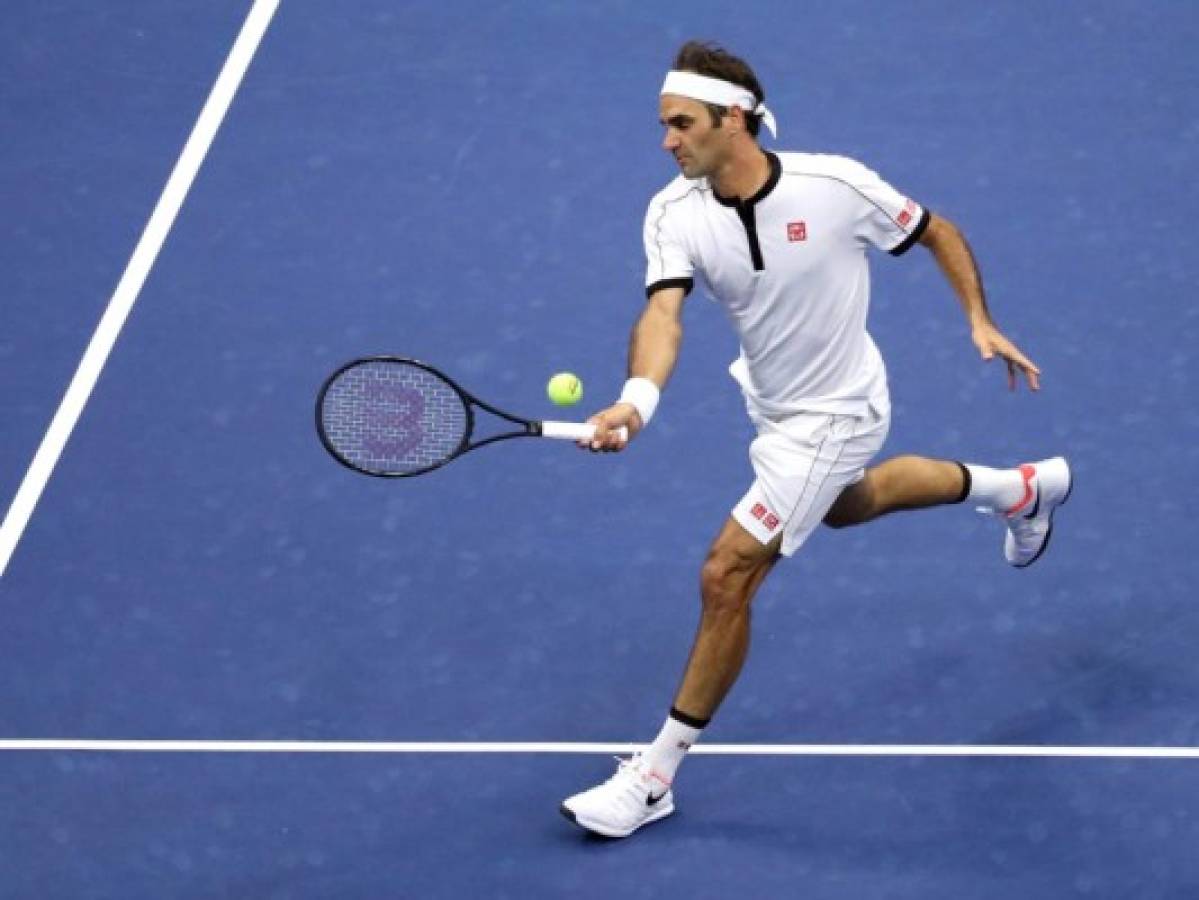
{"x": 1028, "y": 472}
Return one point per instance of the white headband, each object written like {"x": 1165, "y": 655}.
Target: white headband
{"x": 718, "y": 91}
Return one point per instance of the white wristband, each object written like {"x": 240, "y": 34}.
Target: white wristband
{"x": 643, "y": 395}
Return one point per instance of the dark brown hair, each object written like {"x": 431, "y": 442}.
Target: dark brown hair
{"x": 706, "y": 58}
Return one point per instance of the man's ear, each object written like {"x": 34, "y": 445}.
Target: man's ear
{"x": 737, "y": 119}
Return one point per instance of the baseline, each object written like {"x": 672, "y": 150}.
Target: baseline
{"x": 957, "y": 750}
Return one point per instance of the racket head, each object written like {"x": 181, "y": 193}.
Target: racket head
{"x": 392, "y": 417}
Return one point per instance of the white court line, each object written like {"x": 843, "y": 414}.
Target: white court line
{"x": 134, "y": 277}
{"x": 975, "y": 750}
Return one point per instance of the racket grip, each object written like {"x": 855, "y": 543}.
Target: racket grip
{"x": 573, "y": 431}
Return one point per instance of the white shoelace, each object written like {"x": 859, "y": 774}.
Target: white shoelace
{"x": 634, "y": 784}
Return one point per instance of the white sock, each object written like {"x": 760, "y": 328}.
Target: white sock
{"x": 666, "y": 753}
{"x": 998, "y": 489}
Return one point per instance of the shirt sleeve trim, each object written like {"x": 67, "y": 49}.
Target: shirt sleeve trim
{"x": 903, "y": 246}
{"x": 685, "y": 283}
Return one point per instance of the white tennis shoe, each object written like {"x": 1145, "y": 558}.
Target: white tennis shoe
{"x": 632, "y": 797}
{"x": 1047, "y": 486}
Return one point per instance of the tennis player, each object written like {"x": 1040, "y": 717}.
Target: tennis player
{"x": 781, "y": 241}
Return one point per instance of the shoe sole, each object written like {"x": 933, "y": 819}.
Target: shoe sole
{"x": 594, "y": 828}
{"x": 1054, "y": 509}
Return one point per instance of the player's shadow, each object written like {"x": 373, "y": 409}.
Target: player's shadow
{"x": 1100, "y": 694}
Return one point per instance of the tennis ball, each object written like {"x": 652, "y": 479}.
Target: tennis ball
{"x": 565, "y": 389}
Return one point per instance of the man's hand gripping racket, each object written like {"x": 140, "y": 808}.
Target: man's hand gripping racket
{"x": 394, "y": 417}
{"x": 614, "y": 428}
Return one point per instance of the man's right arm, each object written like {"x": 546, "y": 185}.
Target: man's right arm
{"x": 653, "y": 351}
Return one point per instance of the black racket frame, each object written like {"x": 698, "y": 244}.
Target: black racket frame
{"x": 529, "y": 427}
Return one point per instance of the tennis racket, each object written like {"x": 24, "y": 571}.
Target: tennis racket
{"x": 394, "y": 417}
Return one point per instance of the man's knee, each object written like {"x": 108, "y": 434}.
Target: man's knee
{"x": 730, "y": 575}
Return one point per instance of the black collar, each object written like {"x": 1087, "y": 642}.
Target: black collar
{"x": 776, "y": 172}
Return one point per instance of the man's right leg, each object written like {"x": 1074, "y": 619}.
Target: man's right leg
{"x": 800, "y": 467}
{"x": 640, "y": 792}
{"x": 736, "y": 566}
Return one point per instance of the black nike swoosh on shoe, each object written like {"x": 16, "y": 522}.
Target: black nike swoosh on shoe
{"x": 651, "y": 800}
{"x": 1036, "y": 504}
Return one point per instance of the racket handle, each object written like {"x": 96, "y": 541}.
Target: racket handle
{"x": 574, "y": 431}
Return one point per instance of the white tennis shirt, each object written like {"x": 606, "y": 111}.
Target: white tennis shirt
{"x": 789, "y": 266}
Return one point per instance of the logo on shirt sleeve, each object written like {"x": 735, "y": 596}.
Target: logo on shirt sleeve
{"x": 908, "y": 213}
{"x": 797, "y": 231}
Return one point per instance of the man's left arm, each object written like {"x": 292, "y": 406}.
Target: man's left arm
{"x": 948, "y": 246}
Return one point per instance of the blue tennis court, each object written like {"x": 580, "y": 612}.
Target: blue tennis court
{"x": 385, "y": 688}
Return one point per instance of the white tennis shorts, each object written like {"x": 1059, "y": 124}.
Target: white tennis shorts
{"x": 802, "y": 464}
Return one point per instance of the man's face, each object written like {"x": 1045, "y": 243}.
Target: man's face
{"x": 698, "y": 146}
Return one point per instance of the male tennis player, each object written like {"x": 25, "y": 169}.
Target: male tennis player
{"x": 781, "y": 241}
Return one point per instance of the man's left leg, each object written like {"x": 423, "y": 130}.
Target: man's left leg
{"x": 1024, "y": 497}
{"x": 902, "y": 482}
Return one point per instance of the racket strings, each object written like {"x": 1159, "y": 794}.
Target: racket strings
{"x": 388, "y": 417}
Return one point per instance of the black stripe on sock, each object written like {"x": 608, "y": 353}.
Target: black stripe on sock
{"x": 689, "y": 721}
{"x": 966, "y": 484}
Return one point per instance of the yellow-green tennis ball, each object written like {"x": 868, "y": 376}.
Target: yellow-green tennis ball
{"x": 565, "y": 389}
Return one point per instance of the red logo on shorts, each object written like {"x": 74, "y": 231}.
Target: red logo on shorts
{"x": 797, "y": 231}
{"x": 769, "y": 519}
